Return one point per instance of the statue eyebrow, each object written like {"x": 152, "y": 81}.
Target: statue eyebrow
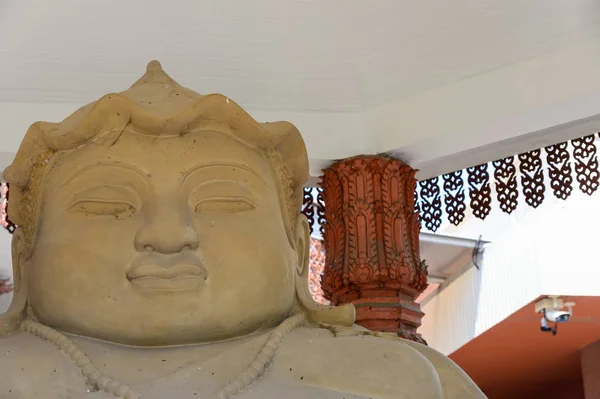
{"x": 106, "y": 164}
{"x": 190, "y": 171}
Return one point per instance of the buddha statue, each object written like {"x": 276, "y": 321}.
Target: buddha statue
{"x": 160, "y": 253}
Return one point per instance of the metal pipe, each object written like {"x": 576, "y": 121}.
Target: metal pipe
{"x": 448, "y": 240}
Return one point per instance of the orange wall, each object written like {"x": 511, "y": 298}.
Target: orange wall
{"x": 590, "y": 366}
{"x": 572, "y": 389}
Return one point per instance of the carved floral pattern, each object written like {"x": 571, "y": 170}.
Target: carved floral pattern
{"x": 559, "y": 170}
{"x": 565, "y": 162}
{"x": 417, "y": 205}
{"x": 532, "y": 177}
{"x": 586, "y": 163}
{"x": 333, "y": 236}
{"x": 455, "y": 197}
{"x": 505, "y": 175}
{"x": 431, "y": 204}
{"x": 314, "y": 209}
{"x": 308, "y": 207}
{"x": 372, "y": 231}
{"x": 320, "y": 205}
{"x": 480, "y": 192}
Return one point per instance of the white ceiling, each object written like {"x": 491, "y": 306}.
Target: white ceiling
{"x": 355, "y": 76}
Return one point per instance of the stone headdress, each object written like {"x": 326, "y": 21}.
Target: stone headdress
{"x": 155, "y": 105}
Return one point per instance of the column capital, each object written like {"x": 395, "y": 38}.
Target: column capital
{"x": 372, "y": 242}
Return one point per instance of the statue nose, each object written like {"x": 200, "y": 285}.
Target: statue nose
{"x": 167, "y": 245}
{"x": 167, "y": 234}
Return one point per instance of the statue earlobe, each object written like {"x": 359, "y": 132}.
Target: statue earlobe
{"x": 11, "y": 320}
{"x": 316, "y": 313}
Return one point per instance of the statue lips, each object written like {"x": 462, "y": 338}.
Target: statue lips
{"x": 168, "y": 273}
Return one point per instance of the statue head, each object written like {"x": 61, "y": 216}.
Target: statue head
{"x": 158, "y": 216}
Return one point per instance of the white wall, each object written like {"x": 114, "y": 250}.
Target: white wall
{"x": 551, "y": 251}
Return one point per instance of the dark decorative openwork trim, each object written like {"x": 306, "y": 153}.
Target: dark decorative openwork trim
{"x": 308, "y": 207}
{"x": 480, "y": 192}
{"x": 455, "y": 197}
{"x": 313, "y": 207}
{"x": 532, "y": 177}
{"x": 320, "y": 205}
{"x": 586, "y": 163}
{"x": 431, "y": 204}
{"x": 560, "y": 170}
{"x": 522, "y": 176}
{"x": 505, "y": 175}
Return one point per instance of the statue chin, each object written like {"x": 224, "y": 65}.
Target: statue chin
{"x": 154, "y": 334}
{"x": 161, "y": 249}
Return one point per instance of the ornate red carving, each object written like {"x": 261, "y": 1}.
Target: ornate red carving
{"x": 372, "y": 243}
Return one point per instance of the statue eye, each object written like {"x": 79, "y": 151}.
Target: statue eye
{"x": 224, "y": 205}
{"x": 104, "y": 208}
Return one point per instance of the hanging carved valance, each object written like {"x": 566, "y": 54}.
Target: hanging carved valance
{"x": 516, "y": 179}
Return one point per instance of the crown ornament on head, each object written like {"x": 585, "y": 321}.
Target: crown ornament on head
{"x": 154, "y": 105}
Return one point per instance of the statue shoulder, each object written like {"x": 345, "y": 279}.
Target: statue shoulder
{"x": 374, "y": 365}
{"x": 455, "y": 382}
{"x": 356, "y": 363}
{"x": 30, "y": 367}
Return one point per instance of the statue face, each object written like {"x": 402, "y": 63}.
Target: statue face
{"x": 162, "y": 241}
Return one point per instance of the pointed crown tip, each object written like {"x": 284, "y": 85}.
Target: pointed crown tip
{"x": 153, "y": 66}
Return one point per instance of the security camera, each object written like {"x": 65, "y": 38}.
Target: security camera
{"x": 551, "y": 309}
{"x": 559, "y": 316}
{"x": 545, "y": 328}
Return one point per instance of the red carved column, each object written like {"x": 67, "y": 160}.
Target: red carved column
{"x": 372, "y": 243}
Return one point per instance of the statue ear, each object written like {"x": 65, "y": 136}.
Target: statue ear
{"x": 319, "y": 314}
{"x": 10, "y": 321}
